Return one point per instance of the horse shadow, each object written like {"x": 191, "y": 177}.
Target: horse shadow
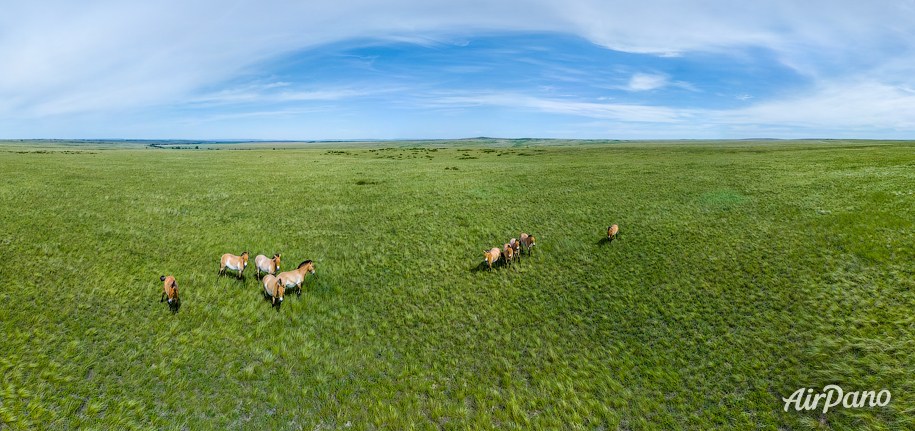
{"x": 483, "y": 266}
{"x": 607, "y": 241}
{"x": 243, "y": 277}
{"x": 174, "y": 305}
{"x": 269, "y": 299}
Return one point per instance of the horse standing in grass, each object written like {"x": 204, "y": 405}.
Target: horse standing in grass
{"x": 491, "y": 256}
{"x": 528, "y": 242}
{"x": 508, "y": 253}
{"x": 516, "y": 247}
{"x": 170, "y": 292}
{"x": 274, "y": 289}
{"x": 233, "y": 262}
{"x": 612, "y": 232}
{"x": 296, "y": 277}
{"x": 267, "y": 265}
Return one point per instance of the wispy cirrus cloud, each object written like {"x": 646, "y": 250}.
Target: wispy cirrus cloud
{"x": 842, "y": 109}
{"x": 844, "y": 106}
{"x": 647, "y": 82}
{"x": 280, "y": 92}
{"x": 598, "y": 110}
{"x": 101, "y": 67}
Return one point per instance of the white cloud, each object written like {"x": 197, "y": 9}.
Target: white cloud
{"x": 647, "y": 82}
{"x": 63, "y": 58}
{"x": 848, "y": 108}
{"x": 839, "y": 105}
{"x": 607, "y": 111}
{"x": 283, "y": 92}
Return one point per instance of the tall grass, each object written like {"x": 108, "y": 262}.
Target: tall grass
{"x": 744, "y": 271}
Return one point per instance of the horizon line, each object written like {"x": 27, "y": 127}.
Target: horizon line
{"x": 475, "y": 138}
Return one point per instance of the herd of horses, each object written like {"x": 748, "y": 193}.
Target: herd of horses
{"x": 510, "y": 251}
{"x": 275, "y": 285}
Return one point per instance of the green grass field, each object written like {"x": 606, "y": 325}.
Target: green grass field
{"x": 745, "y": 270}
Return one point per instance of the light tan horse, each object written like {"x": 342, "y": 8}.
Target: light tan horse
{"x": 170, "y": 292}
{"x": 528, "y": 242}
{"x": 267, "y": 265}
{"x": 612, "y": 231}
{"x": 508, "y": 253}
{"x": 274, "y": 289}
{"x": 233, "y": 262}
{"x": 296, "y": 277}
{"x": 491, "y": 256}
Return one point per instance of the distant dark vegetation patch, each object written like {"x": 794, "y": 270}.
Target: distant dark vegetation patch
{"x": 403, "y": 153}
{"x": 338, "y": 152}
{"x": 176, "y": 146}
{"x": 55, "y": 152}
{"x": 367, "y": 182}
{"x": 451, "y": 168}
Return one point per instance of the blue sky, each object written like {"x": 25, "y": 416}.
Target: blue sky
{"x": 407, "y": 69}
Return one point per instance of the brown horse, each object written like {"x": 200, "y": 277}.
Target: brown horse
{"x": 274, "y": 289}
{"x": 170, "y": 292}
{"x": 264, "y": 264}
{"x": 612, "y": 231}
{"x": 233, "y": 262}
{"x": 528, "y": 242}
{"x": 508, "y": 253}
{"x": 516, "y": 247}
{"x": 296, "y": 277}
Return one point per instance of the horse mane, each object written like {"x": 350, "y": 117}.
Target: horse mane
{"x": 303, "y": 263}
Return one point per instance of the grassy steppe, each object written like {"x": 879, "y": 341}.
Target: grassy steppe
{"x": 744, "y": 272}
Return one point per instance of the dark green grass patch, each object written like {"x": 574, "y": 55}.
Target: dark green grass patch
{"x": 743, "y": 272}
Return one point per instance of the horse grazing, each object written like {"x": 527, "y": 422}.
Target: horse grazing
{"x": 491, "y": 256}
{"x": 233, "y": 262}
{"x": 612, "y": 231}
{"x": 528, "y": 242}
{"x": 508, "y": 253}
{"x": 296, "y": 277}
{"x": 264, "y": 264}
{"x": 170, "y": 291}
{"x": 274, "y": 289}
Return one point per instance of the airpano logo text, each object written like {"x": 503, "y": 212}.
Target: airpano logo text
{"x": 834, "y": 396}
